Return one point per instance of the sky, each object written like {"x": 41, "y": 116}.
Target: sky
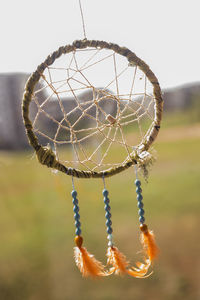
{"x": 164, "y": 33}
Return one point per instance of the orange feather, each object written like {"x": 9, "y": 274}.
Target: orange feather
{"x": 151, "y": 251}
{"x": 149, "y": 244}
{"x": 87, "y": 263}
{"x": 141, "y": 270}
{"x": 117, "y": 260}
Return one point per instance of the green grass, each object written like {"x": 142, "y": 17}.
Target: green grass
{"x": 36, "y": 224}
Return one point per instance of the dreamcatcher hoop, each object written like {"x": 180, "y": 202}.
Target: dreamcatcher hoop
{"x": 138, "y": 155}
{"x": 47, "y": 157}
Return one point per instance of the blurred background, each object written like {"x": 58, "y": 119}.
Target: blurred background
{"x": 36, "y": 217}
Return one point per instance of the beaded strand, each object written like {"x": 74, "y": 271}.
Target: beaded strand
{"x": 76, "y": 212}
{"x": 140, "y": 203}
{"x": 108, "y": 217}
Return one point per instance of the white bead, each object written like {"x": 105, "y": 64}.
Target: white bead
{"x": 110, "y": 244}
{"x": 109, "y": 237}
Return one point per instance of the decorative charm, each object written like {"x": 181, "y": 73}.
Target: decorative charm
{"x": 118, "y": 260}
{"x": 92, "y": 109}
{"x": 85, "y": 261}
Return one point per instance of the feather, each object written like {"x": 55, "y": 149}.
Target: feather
{"x": 141, "y": 270}
{"x": 117, "y": 260}
{"x": 149, "y": 244}
{"x": 150, "y": 250}
{"x": 86, "y": 262}
{"x": 136, "y": 274}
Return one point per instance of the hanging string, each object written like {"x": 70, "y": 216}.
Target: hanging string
{"x": 117, "y": 259}
{"x": 139, "y": 197}
{"x": 73, "y": 182}
{"x": 147, "y": 238}
{"x": 84, "y": 260}
{"x": 136, "y": 171}
{"x": 107, "y": 214}
{"x": 83, "y": 22}
{"x": 104, "y": 183}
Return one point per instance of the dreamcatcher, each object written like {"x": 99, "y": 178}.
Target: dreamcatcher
{"x": 92, "y": 109}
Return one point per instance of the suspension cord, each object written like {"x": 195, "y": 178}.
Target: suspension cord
{"x": 83, "y": 22}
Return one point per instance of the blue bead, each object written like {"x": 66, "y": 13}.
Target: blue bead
{"x": 139, "y": 197}
{"x": 108, "y": 215}
{"x": 105, "y": 193}
{"x": 78, "y": 224}
{"x": 76, "y": 209}
{"x": 140, "y": 204}
{"x": 75, "y": 201}
{"x": 141, "y": 219}
{"x": 78, "y": 231}
{"x": 109, "y": 230}
{"x": 108, "y": 223}
{"x": 74, "y": 193}
{"x": 107, "y": 207}
{"x": 137, "y": 182}
{"x": 106, "y": 200}
{"x": 141, "y": 212}
{"x": 76, "y": 217}
{"x": 138, "y": 190}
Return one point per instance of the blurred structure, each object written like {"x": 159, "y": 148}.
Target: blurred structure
{"x": 12, "y": 133}
{"x": 181, "y": 97}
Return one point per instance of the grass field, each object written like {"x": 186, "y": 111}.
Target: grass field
{"x": 36, "y": 226}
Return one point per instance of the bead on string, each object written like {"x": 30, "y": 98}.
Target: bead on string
{"x": 85, "y": 261}
{"x": 139, "y": 198}
{"x": 115, "y": 258}
{"x": 76, "y": 210}
{"x": 147, "y": 238}
{"x": 140, "y": 202}
{"x": 107, "y": 215}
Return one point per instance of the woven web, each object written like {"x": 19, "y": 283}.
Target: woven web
{"x": 92, "y": 108}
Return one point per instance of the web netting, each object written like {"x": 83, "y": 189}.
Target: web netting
{"x": 93, "y": 108}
